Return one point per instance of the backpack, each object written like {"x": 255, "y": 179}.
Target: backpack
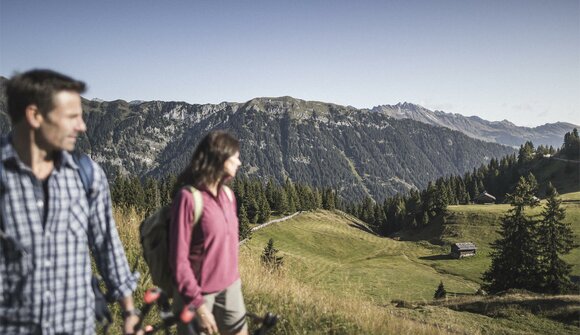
{"x": 154, "y": 236}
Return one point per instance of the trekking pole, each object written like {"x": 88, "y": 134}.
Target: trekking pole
{"x": 150, "y": 297}
{"x": 268, "y": 321}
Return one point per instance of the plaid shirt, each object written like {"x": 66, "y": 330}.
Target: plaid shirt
{"x": 45, "y": 267}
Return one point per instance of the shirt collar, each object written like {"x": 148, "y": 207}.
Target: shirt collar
{"x": 9, "y": 154}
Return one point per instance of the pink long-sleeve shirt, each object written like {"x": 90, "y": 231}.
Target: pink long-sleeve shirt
{"x": 211, "y": 263}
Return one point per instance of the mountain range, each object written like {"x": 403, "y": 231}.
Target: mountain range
{"x": 358, "y": 152}
{"x": 503, "y": 132}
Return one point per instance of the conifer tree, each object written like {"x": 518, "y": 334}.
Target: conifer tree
{"x": 245, "y": 231}
{"x": 440, "y": 293}
{"x": 264, "y": 210}
{"x": 293, "y": 200}
{"x": 253, "y": 210}
{"x": 152, "y": 195}
{"x": 280, "y": 201}
{"x": 571, "y": 147}
{"x": 556, "y": 238}
{"x": 515, "y": 256}
{"x": 269, "y": 257}
{"x": 328, "y": 201}
{"x": 271, "y": 192}
{"x": 425, "y": 219}
{"x": 337, "y": 202}
{"x": 526, "y": 152}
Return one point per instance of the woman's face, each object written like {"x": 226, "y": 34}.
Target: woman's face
{"x": 232, "y": 164}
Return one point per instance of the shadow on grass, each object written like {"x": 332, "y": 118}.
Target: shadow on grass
{"x": 437, "y": 257}
{"x": 361, "y": 227}
{"x": 561, "y": 309}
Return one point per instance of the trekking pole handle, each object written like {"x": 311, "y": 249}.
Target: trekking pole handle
{"x": 187, "y": 314}
{"x": 152, "y": 295}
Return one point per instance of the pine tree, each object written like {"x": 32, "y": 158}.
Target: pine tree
{"x": 269, "y": 257}
{"x": 515, "y": 256}
{"x": 280, "y": 201}
{"x": 328, "y": 201}
{"x": 571, "y": 147}
{"x": 556, "y": 239}
{"x": 152, "y": 195}
{"x": 271, "y": 192}
{"x": 245, "y": 231}
{"x": 526, "y": 152}
{"x": 264, "y": 210}
{"x": 425, "y": 219}
{"x": 440, "y": 293}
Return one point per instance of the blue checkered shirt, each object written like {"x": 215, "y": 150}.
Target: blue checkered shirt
{"x": 45, "y": 267}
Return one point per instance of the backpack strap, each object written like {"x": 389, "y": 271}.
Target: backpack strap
{"x": 197, "y": 204}
{"x": 86, "y": 171}
{"x": 229, "y": 193}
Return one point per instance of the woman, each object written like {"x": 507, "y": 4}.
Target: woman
{"x": 204, "y": 261}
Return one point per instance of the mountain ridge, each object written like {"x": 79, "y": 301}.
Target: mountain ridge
{"x": 355, "y": 151}
{"x": 503, "y": 132}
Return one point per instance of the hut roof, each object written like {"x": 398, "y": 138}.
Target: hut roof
{"x": 465, "y": 246}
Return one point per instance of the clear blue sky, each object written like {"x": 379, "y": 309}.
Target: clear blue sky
{"x": 514, "y": 60}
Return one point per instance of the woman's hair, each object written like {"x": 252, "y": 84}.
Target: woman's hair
{"x": 207, "y": 163}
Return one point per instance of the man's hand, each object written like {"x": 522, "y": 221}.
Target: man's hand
{"x": 206, "y": 320}
{"x": 131, "y": 316}
{"x": 129, "y": 325}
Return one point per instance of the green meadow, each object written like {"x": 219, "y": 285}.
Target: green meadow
{"x": 338, "y": 278}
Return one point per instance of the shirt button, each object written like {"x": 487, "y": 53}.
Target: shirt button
{"x": 48, "y": 295}
{"x": 40, "y": 203}
{"x": 47, "y": 263}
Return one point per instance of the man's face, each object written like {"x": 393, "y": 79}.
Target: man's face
{"x": 61, "y": 126}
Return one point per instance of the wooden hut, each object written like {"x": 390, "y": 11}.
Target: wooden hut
{"x": 464, "y": 249}
{"x": 484, "y": 198}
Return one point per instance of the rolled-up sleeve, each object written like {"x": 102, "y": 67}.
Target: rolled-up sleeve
{"x": 179, "y": 242}
{"x": 105, "y": 243}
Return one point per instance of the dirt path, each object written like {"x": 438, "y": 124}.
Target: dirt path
{"x": 271, "y": 222}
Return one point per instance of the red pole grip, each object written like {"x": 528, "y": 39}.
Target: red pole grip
{"x": 187, "y": 314}
{"x": 152, "y": 295}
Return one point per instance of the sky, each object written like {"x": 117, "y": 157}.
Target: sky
{"x": 514, "y": 60}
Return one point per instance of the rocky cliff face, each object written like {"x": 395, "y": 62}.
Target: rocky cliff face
{"x": 357, "y": 152}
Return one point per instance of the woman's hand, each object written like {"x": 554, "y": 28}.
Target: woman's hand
{"x": 206, "y": 320}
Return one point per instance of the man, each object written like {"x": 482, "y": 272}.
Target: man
{"x": 48, "y": 223}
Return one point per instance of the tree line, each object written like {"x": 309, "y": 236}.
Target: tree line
{"x": 420, "y": 208}
{"x": 256, "y": 201}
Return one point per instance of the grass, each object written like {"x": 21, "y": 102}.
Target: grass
{"x": 338, "y": 278}
{"x": 480, "y": 223}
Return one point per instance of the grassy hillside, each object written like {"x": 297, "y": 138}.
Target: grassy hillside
{"x": 326, "y": 252}
{"x": 479, "y": 224}
{"x": 340, "y": 279}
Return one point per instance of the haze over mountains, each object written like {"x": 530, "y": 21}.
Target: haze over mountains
{"x": 503, "y": 132}
{"x": 356, "y": 151}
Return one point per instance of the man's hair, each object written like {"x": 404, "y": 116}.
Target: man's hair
{"x": 37, "y": 87}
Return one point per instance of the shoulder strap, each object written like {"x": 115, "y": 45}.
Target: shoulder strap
{"x": 229, "y": 193}
{"x": 85, "y": 171}
{"x": 197, "y": 204}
